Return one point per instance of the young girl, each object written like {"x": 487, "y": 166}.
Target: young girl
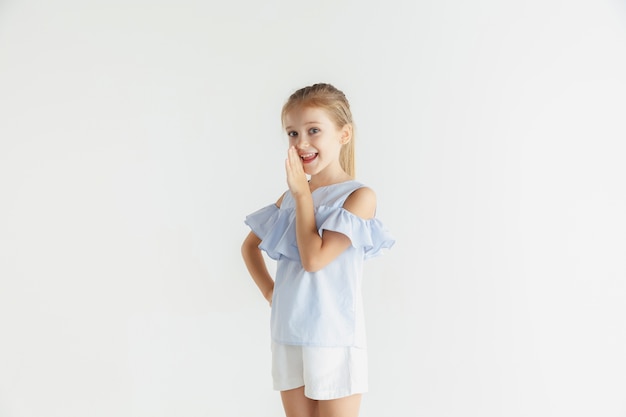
{"x": 320, "y": 231}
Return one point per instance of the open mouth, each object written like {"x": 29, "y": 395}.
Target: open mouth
{"x": 308, "y": 157}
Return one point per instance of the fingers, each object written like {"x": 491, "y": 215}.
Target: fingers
{"x": 296, "y": 178}
{"x": 294, "y": 159}
{"x": 293, "y": 164}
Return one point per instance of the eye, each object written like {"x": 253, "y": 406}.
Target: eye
{"x": 314, "y": 130}
{"x": 292, "y": 134}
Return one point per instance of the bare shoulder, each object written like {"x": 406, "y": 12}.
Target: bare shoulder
{"x": 280, "y": 200}
{"x": 361, "y": 202}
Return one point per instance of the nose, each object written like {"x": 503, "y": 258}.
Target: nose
{"x": 301, "y": 142}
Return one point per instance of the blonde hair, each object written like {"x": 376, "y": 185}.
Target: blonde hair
{"x": 335, "y": 103}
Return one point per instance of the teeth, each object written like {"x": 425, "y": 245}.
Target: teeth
{"x": 308, "y": 155}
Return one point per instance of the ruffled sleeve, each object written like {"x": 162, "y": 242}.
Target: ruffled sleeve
{"x": 276, "y": 229}
{"x": 368, "y": 234}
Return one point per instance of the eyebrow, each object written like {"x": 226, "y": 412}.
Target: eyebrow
{"x": 307, "y": 123}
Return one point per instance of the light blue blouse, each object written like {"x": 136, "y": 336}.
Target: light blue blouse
{"x": 322, "y": 308}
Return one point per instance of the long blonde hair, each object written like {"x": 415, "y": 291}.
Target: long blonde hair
{"x": 335, "y": 103}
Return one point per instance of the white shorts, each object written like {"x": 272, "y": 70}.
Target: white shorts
{"x": 326, "y": 373}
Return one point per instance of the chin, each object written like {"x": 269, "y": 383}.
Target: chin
{"x": 310, "y": 171}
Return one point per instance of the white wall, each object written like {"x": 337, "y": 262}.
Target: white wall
{"x": 136, "y": 135}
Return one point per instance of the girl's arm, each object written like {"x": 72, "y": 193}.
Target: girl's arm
{"x": 253, "y": 258}
{"x": 318, "y": 251}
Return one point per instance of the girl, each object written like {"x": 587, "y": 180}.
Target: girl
{"x": 320, "y": 231}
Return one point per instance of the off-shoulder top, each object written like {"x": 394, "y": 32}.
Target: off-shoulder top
{"x": 322, "y": 308}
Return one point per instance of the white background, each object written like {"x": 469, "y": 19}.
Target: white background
{"x": 136, "y": 135}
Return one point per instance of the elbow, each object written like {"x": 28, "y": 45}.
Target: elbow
{"x": 312, "y": 265}
{"x": 310, "y": 268}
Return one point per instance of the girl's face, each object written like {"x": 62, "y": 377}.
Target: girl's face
{"x": 316, "y": 138}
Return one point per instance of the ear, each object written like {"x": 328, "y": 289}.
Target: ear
{"x": 346, "y": 133}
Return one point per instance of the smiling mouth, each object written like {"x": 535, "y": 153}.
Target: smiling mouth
{"x": 308, "y": 157}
